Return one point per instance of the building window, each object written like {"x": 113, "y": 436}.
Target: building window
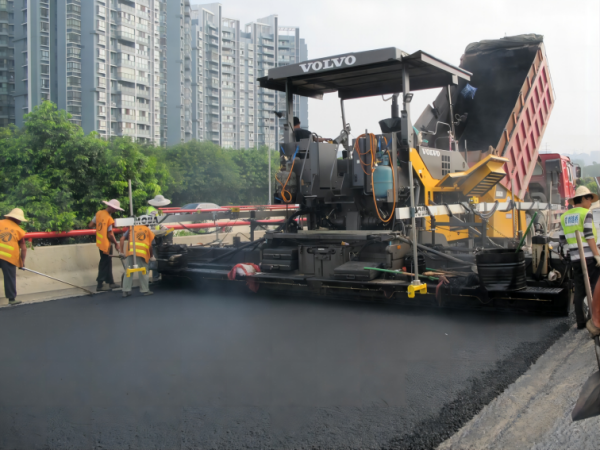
{"x": 74, "y": 109}
{"x": 45, "y": 69}
{"x": 44, "y": 13}
{"x": 101, "y": 25}
{"x": 73, "y": 52}
{"x": 73, "y": 66}
{"x": 45, "y": 41}
{"x": 102, "y": 96}
{"x": 45, "y": 54}
{"x": 45, "y": 83}
{"x": 74, "y": 95}
{"x": 102, "y": 82}
{"x": 101, "y": 11}
{"x": 75, "y": 9}
{"x": 73, "y": 81}
{"x": 101, "y": 53}
{"x": 74, "y": 23}
{"x": 101, "y": 39}
{"x": 74, "y": 38}
{"x": 102, "y": 110}
{"x": 45, "y": 26}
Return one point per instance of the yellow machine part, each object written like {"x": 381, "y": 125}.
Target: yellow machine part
{"x": 478, "y": 182}
{"x": 130, "y": 272}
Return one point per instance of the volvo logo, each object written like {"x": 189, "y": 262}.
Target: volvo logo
{"x": 331, "y": 63}
{"x": 431, "y": 152}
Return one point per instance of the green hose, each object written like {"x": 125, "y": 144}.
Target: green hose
{"x": 525, "y": 235}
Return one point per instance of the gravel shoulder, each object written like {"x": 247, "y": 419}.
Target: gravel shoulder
{"x": 535, "y": 411}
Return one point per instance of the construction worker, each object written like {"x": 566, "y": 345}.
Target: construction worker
{"x": 144, "y": 255}
{"x": 12, "y": 251}
{"x": 103, "y": 222}
{"x": 301, "y": 133}
{"x": 580, "y": 218}
{"x": 287, "y": 179}
{"x": 157, "y": 202}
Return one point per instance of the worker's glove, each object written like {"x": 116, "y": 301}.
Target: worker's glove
{"x": 122, "y": 255}
{"x": 597, "y": 258}
{"x": 153, "y": 259}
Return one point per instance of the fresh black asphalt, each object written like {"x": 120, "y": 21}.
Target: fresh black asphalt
{"x": 189, "y": 368}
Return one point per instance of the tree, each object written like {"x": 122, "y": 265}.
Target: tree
{"x": 59, "y": 176}
{"x": 202, "y": 172}
{"x": 253, "y": 166}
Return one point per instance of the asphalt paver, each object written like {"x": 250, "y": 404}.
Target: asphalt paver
{"x": 196, "y": 368}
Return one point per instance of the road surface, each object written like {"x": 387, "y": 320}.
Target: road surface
{"x": 189, "y": 368}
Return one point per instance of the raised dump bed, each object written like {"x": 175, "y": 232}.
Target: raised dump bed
{"x": 504, "y": 108}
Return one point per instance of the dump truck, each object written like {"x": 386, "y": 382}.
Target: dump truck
{"x": 431, "y": 212}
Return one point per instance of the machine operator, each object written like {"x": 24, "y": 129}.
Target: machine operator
{"x": 580, "y": 218}
{"x": 301, "y": 133}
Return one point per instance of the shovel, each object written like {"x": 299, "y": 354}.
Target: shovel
{"x": 588, "y": 403}
{"x": 56, "y": 279}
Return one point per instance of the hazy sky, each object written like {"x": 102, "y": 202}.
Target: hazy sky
{"x": 443, "y": 28}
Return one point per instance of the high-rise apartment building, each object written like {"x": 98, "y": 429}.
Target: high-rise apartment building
{"x": 159, "y": 71}
{"x": 228, "y": 106}
{"x": 7, "y": 63}
{"x": 125, "y": 75}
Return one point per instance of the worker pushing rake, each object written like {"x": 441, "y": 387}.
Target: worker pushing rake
{"x": 137, "y": 255}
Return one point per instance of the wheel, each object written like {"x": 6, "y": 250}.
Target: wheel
{"x": 538, "y": 197}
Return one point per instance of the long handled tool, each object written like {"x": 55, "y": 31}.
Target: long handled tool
{"x": 56, "y": 279}
{"x": 588, "y": 403}
{"x": 525, "y": 235}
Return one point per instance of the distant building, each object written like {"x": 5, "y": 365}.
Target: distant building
{"x": 159, "y": 71}
{"x": 229, "y": 108}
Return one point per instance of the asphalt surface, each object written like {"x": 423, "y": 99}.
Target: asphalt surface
{"x": 187, "y": 368}
{"x": 534, "y": 413}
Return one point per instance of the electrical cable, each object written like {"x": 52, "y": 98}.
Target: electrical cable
{"x": 283, "y": 186}
{"x": 373, "y": 143}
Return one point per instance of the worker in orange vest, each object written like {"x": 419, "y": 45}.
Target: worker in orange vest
{"x": 12, "y": 251}
{"x": 103, "y": 222}
{"x": 143, "y": 255}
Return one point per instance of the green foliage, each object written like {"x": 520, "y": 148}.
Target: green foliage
{"x": 205, "y": 172}
{"x": 590, "y": 183}
{"x": 59, "y": 176}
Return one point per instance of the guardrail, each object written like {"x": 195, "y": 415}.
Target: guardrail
{"x": 92, "y": 232}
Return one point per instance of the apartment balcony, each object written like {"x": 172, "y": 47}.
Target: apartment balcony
{"x": 4, "y": 6}
{"x": 123, "y": 21}
{"x": 143, "y": 133}
{"x": 143, "y": 40}
{"x": 125, "y": 36}
{"x": 122, "y": 104}
{"x": 143, "y": 119}
{"x": 123, "y": 76}
{"x": 123, "y": 118}
{"x": 124, "y": 90}
{"x": 142, "y": 93}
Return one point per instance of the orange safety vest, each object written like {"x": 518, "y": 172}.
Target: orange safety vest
{"x": 103, "y": 221}
{"x": 143, "y": 241}
{"x": 10, "y": 235}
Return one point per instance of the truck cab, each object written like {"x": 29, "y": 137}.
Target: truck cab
{"x": 556, "y": 173}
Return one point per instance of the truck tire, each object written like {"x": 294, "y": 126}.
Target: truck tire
{"x": 538, "y": 197}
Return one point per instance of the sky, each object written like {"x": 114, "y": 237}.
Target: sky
{"x": 443, "y": 28}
